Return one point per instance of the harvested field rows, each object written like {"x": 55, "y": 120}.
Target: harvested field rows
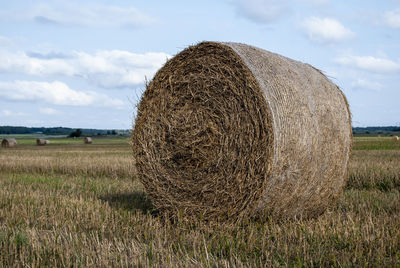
{"x": 75, "y": 205}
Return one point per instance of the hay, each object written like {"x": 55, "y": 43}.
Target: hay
{"x": 87, "y": 140}
{"x": 7, "y": 143}
{"x": 226, "y": 131}
{"x": 42, "y": 142}
{"x": 395, "y": 138}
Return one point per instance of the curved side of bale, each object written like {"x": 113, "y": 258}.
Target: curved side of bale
{"x": 87, "y": 140}
{"x": 395, "y": 138}
{"x": 225, "y": 131}
{"x": 312, "y": 134}
{"x": 7, "y": 143}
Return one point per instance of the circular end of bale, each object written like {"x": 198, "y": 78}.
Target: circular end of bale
{"x": 202, "y": 139}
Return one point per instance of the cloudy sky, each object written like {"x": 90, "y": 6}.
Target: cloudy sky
{"x": 84, "y": 63}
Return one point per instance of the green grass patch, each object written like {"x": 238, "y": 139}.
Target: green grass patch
{"x": 375, "y": 143}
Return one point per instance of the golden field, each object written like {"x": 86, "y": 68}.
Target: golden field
{"x": 76, "y": 205}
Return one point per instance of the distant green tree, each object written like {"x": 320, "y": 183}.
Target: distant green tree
{"x": 75, "y": 134}
{"x": 113, "y": 132}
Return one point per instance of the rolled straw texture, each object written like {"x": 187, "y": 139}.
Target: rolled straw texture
{"x": 42, "y": 142}
{"x": 6, "y": 143}
{"x": 226, "y": 131}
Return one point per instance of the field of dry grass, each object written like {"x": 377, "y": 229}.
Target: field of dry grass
{"x": 79, "y": 205}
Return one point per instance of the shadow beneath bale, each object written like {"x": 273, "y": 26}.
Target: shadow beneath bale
{"x": 131, "y": 201}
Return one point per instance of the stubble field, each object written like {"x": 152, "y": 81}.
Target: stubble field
{"x": 76, "y": 205}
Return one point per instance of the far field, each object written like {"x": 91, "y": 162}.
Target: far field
{"x": 71, "y": 204}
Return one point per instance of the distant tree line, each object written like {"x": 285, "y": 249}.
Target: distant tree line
{"x": 374, "y": 131}
{"x": 59, "y": 131}
{"x": 78, "y": 133}
{"x": 91, "y": 132}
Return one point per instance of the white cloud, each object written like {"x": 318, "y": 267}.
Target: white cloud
{"x": 261, "y": 11}
{"x": 365, "y": 84}
{"x": 9, "y": 113}
{"x": 48, "y": 111}
{"x": 326, "y": 30}
{"x": 6, "y": 112}
{"x": 56, "y": 93}
{"x": 119, "y": 68}
{"x": 113, "y": 68}
{"x": 316, "y": 2}
{"x": 79, "y": 14}
{"x": 21, "y": 63}
{"x": 392, "y": 18}
{"x": 370, "y": 63}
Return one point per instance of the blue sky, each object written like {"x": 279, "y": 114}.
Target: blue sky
{"x": 84, "y": 63}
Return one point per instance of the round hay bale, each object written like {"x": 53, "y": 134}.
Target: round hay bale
{"x": 226, "y": 131}
{"x": 87, "y": 140}
{"x": 395, "y": 138}
{"x": 7, "y": 143}
{"x": 42, "y": 142}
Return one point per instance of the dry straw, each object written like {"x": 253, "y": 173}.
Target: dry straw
{"x": 395, "y": 138}
{"x": 87, "y": 140}
{"x": 42, "y": 142}
{"x": 6, "y": 143}
{"x": 226, "y": 131}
